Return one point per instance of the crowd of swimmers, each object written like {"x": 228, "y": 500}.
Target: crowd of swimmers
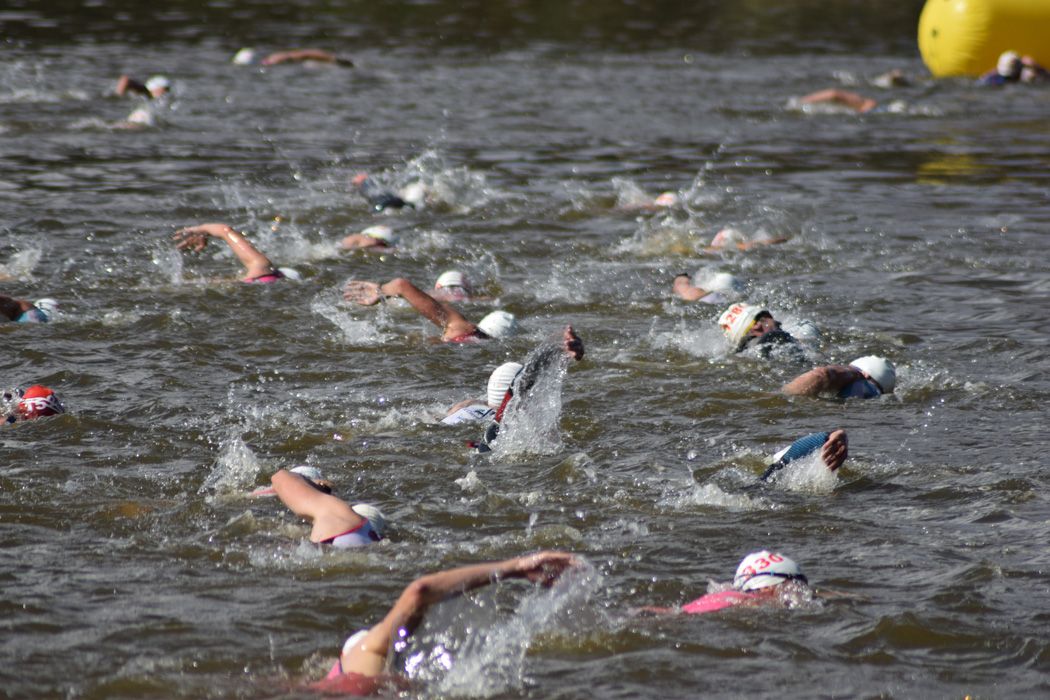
{"x": 761, "y": 578}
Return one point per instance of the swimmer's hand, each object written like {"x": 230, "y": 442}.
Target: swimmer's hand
{"x": 544, "y": 567}
{"x": 572, "y": 343}
{"x": 363, "y": 293}
{"x": 195, "y": 238}
{"x": 835, "y": 450}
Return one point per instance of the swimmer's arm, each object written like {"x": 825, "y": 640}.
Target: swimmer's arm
{"x": 463, "y": 404}
{"x": 13, "y": 308}
{"x": 128, "y": 84}
{"x": 452, "y": 323}
{"x": 684, "y": 288}
{"x": 827, "y": 379}
{"x": 369, "y": 657}
{"x": 358, "y": 240}
{"x": 852, "y": 100}
{"x": 194, "y": 237}
{"x": 749, "y": 245}
{"x": 298, "y": 55}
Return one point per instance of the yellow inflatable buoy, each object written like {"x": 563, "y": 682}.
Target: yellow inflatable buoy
{"x": 965, "y": 37}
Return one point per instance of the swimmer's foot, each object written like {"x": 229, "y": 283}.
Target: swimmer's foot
{"x": 363, "y": 293}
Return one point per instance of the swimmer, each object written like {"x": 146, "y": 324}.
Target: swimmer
{"x": 864, "y": 378}
{"x": 22, "y": 311}
{"x": 474, "y": 409}
{"x": 511, "y": 379}
{"x": 362, "y": 664}
{"x": 833, "y": 446}
{"x": 455, "y": 328}
{"x": 1014, "y": 68}
{"x": 746, "y": 325}
{"x": 857, "y": 102}
{"x": 719, "y": 288}
{"x": 247, "y": 56}
{"x": 37, "y": 401}
{"x": 762, "y": 579}
{"x": 378, "y": 196}
{"x": 729, "y": 238}
{"x": 373, "y": 238}
{"x": 154, "y": 88}
{"x": 258, "y": 268}
{"x": 309, "y": 495}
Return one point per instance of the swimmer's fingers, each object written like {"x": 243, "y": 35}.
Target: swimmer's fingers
{"x": 363, "y": 293}
{"x": 835, "y": 450}
{"x": 190, "y": 239}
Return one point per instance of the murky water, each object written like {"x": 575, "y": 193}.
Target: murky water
{"x": 133, "y": 564}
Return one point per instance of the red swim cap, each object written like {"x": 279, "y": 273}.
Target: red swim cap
{"x": 38, "y": 401}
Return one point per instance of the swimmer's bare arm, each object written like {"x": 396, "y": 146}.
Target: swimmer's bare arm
{"x": 359, "y": 240}
{"x": 13, "y": 308}
{"x": 195, "y": 238}
{"x": 856, "y": 102}
{"x": 300, "y": 55}
{"x": 452, "y": 323}
{"x": 685, "y": 289}
{"x": 827, "y": 379}
{"x": 463, "y": 404}
{"x": 751, "y": 245}
{"x": 369, "y": 656}
{"x": 330, "y": 515}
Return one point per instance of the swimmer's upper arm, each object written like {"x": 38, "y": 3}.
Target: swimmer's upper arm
{"x": 369, "y": 656}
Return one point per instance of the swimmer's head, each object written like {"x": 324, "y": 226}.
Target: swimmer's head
{"x": 721, "y": 282}
{"x": 451, "y": 278}
{"x": 415, "y": 193}
{"x": 314, "y": 477}
{"x": 291, "y": 273}
{"x": 354, "y": 639}
{"x": 373, "y": 515}
{"x": 244, "y": 57}
{"x": 728, "y": 237}
{"x": 1009, "y": 65}
{"x": 158, "y": 85}
{"x": 382, "y": 233}
{"x": 666, "y": 199}
{"x": 48, "y": 306}
{"x": 738, "y": 320}
{"x": 879, "y": 369}
{"x": 38, "y": 401}
{"x": 764, "y": 569}
{"x": 499, "y": 324}
{"x": 499, "y": 382}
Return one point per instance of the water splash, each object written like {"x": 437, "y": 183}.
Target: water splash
{"x": 234, "y": 469}
{"x": 806, "y": 475}
{"x": 21, "y": 264}
{"x": 530, "y": 423}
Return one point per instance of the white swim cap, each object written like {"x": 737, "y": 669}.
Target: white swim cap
{"x": 381, "y": 232}
{"x": 141, "y": 116}
{"x": 722, "y": 282}
{"x": 666, "y": 199}
{"x": 498, "y": 324}
{"x": 878, "y": 368}
{"x": 373, "y": 515}
{"x": 158, "y": 82}
{"x": 500, "y": 380}
{"x": 451, "y": 278}
{"x": 244, "y": 57}
{"x": 311, "y": 473}
{"x": 737, "y": 320}
{"x": 414, "y": 193}
{"x": 290, "y": 273}
{"x": 354, "y": 639}
{"x": 1009, "y": 65}
{"x": 728, "y": 236}
{"x": 763, "y": 569}
{"x": 48, "y": 306}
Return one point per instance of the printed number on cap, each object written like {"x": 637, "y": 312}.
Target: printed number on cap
{"x": 762, "y": 564}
